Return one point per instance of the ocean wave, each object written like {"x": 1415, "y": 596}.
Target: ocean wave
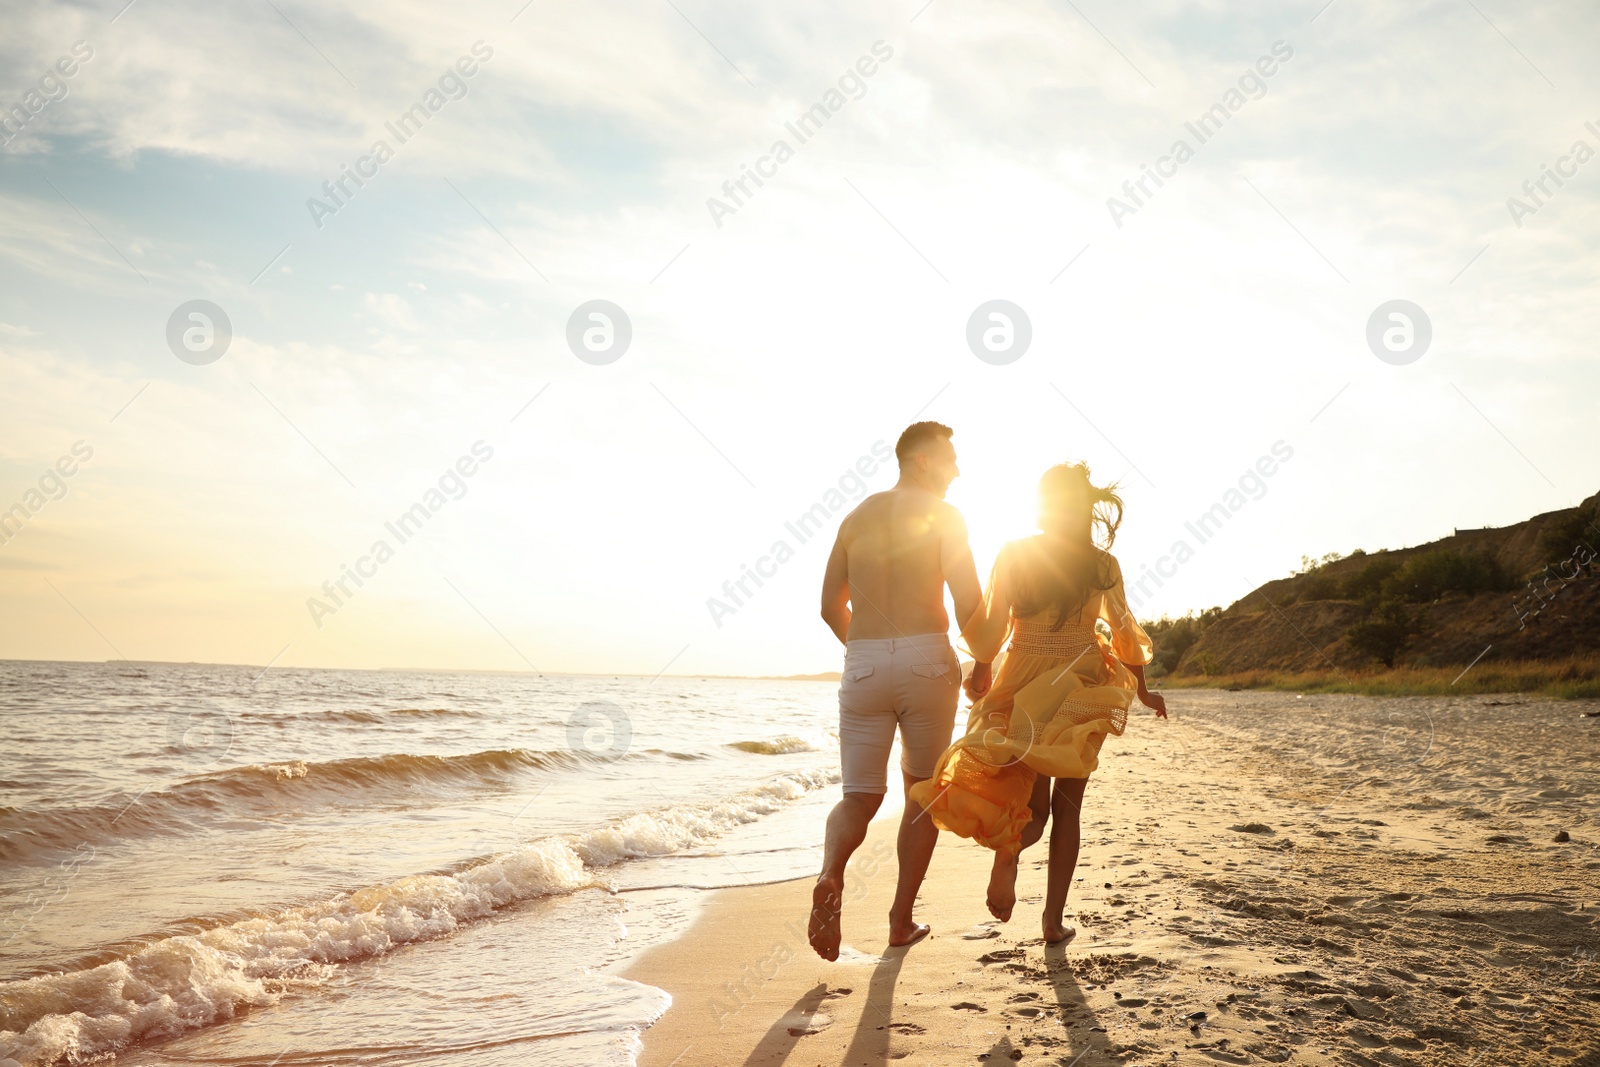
{"x": 776, "y": 746}
{"x": 186, "y": 982}
{"x": 367, "y": 716}
{"x": 258, "y": 789}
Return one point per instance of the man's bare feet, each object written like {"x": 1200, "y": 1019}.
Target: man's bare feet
{"x": 1003, "y": 887}
{"x": 823, "y": 929}
{"x": 1056, "y": 931}
{"x": 906, "y": 933}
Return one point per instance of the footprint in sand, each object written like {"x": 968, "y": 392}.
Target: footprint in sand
{"x": 804, "y": 1024}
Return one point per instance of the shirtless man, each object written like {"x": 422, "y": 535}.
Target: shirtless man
{"x": 883, "y": 596}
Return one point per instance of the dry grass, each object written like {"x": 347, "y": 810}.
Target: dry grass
{"x": 1569, "y": 679}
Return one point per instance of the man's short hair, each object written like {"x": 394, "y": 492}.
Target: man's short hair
{"x": 916, "y": 436}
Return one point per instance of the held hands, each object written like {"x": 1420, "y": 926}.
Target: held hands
{"x": 979, "y": 680}
{"x": 1154, "y": 701}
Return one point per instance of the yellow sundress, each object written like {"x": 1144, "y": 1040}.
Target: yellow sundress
{"x": 1057, "y": 693}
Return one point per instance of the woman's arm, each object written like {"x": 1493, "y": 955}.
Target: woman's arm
{"x": 1128, "y": 640}
{"x": 1151, "y": 700}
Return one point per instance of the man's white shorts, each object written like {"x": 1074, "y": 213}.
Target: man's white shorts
{"x": 913, "y": 682}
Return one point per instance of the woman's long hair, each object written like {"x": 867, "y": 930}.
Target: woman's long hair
{"x": 1063, "y": 568}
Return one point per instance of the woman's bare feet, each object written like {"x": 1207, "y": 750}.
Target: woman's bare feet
{"x": 1056, "y": 931}
{"x": 827, "y": 900}
{"x": 1003, "y": 887}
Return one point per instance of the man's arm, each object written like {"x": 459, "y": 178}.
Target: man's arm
{"x": 986, "y": 631}
{"x": 836, "y": 588}
{"x": 960, "y": 572}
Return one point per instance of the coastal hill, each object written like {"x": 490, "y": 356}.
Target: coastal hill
{"x": 1527, "y": 592}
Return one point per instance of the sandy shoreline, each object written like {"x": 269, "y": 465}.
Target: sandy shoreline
{"x": 1334, "y": 880}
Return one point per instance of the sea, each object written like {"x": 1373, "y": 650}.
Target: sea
{"x": 230, "y": 865}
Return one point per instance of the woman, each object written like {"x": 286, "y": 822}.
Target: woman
{"x": 1073, "y": 666}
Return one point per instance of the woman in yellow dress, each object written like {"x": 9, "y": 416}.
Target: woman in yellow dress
{"x": 1073, "y": 666}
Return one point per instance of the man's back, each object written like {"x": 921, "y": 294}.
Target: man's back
{"x": 894, "y": 545}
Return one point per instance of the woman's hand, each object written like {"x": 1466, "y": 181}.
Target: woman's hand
{"x": 979, "y": 680}
{"x": 1155, "y": 701}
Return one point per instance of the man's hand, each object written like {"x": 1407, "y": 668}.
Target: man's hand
{"x": 1154, "y": 701}
{"x": 979, "y": 681}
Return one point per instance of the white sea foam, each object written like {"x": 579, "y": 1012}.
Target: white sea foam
{"x": 186, "y": 982}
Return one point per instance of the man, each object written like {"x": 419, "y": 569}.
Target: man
{"x": 883, "y": 596}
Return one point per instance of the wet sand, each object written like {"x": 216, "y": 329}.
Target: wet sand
{"x": 1327, "y": 880}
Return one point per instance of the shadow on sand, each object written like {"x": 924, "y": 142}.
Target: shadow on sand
{"x": 871, "y": 1043}
{"x": 1089, "y": 1045}
{"x": 799, "y": 1021}
{"x": 1085, "y": 1040}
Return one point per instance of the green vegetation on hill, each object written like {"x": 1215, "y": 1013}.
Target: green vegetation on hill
{"x": 1172, "y": 638}
{"x": 1384, "y": 633}
{"x": 1420, "y": 578}
{"x": 1566, "y": 536}
{"x": 1385, "y": 587}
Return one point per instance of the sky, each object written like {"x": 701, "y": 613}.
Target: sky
{"x": 420, "y": 342}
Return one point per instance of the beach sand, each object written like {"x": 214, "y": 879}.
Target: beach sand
{"x": 1334, "y": 880}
